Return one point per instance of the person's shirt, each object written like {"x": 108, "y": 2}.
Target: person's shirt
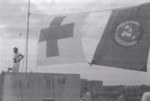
{"x": 146, "y": 96}
{"x": 87, "y": 96}
{"x": 122, "y": 97}
{"x": 16, "y": 57}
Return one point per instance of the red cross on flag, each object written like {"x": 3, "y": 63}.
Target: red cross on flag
{"x": 60, "y": 42}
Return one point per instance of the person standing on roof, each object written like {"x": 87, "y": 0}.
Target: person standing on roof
{"x": 17, "y": 58}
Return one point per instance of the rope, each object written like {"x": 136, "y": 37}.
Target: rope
{"x": 84, "y": 12}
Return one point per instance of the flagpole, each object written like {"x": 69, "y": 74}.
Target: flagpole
{"x": 27, "y": 35}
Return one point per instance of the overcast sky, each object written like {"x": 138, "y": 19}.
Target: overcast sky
{"x": 13, "y": 21}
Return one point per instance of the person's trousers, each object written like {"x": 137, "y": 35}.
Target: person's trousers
{"x": 16, "y": 67}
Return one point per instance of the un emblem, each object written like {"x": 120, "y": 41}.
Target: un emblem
{"x": 128, "y": 33}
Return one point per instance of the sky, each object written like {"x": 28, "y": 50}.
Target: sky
{"x": 13, "y": 30}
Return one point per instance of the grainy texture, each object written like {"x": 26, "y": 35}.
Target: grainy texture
{"x": 1, "y": 86}
{"x": 38, "y": 86}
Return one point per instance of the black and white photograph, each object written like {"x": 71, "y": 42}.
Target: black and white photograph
{"x": 74, "y": 50}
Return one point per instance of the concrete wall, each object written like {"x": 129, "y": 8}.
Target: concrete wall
{"x": 1, "y": 86}
{"x": 36, "y": 86}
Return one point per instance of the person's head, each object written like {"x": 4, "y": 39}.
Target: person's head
{"x": 15, "y": 49}
{"x": 149, "y": 89}
{"x": 85, "y": 89}
{"x": 123, "y": 91}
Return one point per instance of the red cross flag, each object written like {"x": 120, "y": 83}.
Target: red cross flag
{"x": 60, "y": 42}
